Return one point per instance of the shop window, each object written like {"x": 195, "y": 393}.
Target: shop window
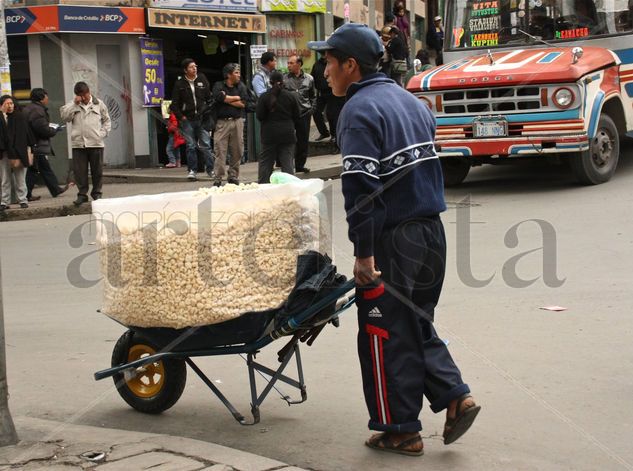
{"x": 288, "y": 35}
{"x": 20, "y": 73}
{"x": 419, "y": 31}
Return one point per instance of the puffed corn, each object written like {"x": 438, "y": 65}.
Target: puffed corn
{"x": 183, "y": 276}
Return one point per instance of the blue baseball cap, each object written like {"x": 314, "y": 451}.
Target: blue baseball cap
{"x": 354, "y": 39}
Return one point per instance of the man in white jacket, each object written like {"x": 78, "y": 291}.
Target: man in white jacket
{"x": 90, "y": 125}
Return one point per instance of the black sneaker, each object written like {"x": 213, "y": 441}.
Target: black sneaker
{"x": 303, "y": 170}
{"x": 80, "y": 200}
{"x": 217, "y": 183}
{"x": 24, "y": 205}
{"x": 322, "y": 136}
{"x": 233, "y": 181}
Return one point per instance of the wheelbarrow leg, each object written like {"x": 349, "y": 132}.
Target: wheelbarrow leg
{"x": 236, "y": 414}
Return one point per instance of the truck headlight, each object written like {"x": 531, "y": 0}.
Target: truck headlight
{"x": 563, "y": 97}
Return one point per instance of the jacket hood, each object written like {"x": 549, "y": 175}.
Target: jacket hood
{"x": 371, "y": 79}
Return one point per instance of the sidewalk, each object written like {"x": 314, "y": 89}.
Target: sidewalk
{"x": 51, "y": 445}
{"x": 129, "y": 182}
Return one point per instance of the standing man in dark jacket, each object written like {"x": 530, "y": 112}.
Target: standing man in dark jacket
{"x": 393, "y": 189}
{"x": 324, "y": 92}
{"x": 296, "y": 80}
{"x": 190, "y": 98}
{"x": 37, "y": 115}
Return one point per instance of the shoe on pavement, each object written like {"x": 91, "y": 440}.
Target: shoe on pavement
{"x": 4, "y": 207}
{"x": 322, "y": 136}
{"x": 80, "y": 200}
{"x": 217, "y": 183}
{"x": 211, "y": 174}
{"x": 233, "y": 181}
{"x": 24, "y": 205}
{"x": 303, "y": 170}
{"x": 34, "y": 198}
{"x": 170, "y": 165}
{"x": 192, "y": 176}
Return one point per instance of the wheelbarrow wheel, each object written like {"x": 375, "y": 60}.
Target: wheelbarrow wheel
{"x": 152, "y": 388}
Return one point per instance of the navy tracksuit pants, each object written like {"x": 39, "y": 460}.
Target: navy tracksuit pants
{"x": 402, "y": 358}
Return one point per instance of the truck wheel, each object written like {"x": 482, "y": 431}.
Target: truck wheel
{"x": 455, "y": 170}
{"x": 152, "y": 388}
{"x": 597, "y": 164}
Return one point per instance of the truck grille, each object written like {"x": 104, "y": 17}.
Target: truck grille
{"x": 491, "y": 100}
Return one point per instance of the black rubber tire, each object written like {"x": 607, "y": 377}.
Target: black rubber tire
{"x": 597, "y": 165}
{"x": 455, "y": 170}
{"x": 173, "y": 379}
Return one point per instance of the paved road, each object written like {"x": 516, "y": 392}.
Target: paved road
{"x": 555, "y": 386}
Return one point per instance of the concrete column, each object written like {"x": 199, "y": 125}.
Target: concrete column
{"x": 412, "y": 28}
{"x": 328, "y": 18}
{"x": 371, "y": 5}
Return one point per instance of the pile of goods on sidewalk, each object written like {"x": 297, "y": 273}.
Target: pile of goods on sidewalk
{"x": 202, "y": 257}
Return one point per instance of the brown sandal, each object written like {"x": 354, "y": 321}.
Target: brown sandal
{"x": 457, "y": 426}
{"x": 385, "y": 442}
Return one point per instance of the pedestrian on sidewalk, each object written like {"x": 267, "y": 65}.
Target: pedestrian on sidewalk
{"x": 421, "y": 63}
{"x": 18, "y": 142}
{"x": 296, "y": 80}
{"x": 278, "y": 110}
{"x": 231, "y": 97}
{"x": 393, "y": 190}
{"x": 174, "y": 142}
{"x": 190, "y": 98}
{"x": 90, "y": 125}
{"x": 261, "y": 79}
{"x": 42, "y": 129}
{"x": 324, "y": 93}
{"x": 435, "y": 39}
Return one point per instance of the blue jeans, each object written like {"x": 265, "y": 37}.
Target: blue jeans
{"x": 196, "y": 137}
{"x": 171, "y": 152}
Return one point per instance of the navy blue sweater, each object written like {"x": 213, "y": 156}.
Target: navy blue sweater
{"x": 391, "y": 172}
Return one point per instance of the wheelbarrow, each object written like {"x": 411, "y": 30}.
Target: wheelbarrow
{"x": 149, "y": 365}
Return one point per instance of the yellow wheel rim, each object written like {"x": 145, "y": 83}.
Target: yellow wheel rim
{"x": 149, "y": 379}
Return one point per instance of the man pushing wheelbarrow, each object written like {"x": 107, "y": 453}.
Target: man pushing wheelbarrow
{"x": 393, "y": 188}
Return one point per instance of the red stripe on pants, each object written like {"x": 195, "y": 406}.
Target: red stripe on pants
{"x": 376, "y": 337}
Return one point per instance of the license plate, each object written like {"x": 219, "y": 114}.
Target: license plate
{"x": 490, "y": 128}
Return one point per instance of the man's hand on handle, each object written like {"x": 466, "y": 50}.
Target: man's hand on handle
{"x": 365, "y": 270}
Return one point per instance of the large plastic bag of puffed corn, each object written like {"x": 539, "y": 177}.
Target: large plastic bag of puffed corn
{"x": 202, "y": 257}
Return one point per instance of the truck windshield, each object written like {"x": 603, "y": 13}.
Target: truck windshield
{"x": 498, "y": 23}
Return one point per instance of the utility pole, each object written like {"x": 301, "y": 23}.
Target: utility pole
{"x": 8, "y": 436}
{"x": 5, "y": 75}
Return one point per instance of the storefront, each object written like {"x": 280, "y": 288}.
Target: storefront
{"x": 59, "y": 45}
{"x": 213, "y": 33}
{"x": 290, "y": 26}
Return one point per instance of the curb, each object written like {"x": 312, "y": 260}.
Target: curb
{"x": 69, "y": 209}
{"x": 45, "y": 212}
{"x": 112, "y": 176}
{"x": 47, "y": 443}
